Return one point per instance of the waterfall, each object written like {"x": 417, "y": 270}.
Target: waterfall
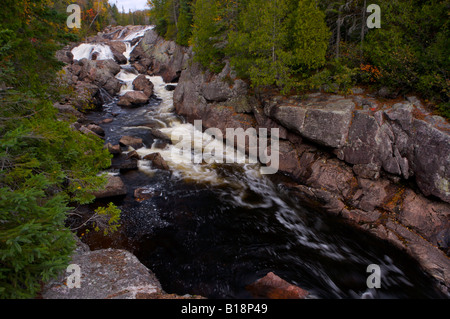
{"x": 86, "y": 50}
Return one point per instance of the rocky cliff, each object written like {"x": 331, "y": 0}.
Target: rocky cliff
{"x": 383, "y": 165}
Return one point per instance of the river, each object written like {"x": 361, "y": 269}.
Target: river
{"x": 213, "y": 229}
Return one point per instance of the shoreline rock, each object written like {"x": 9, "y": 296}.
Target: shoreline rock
{"x": 351, "y": 162}
{"x": 109, "y": 274}
{"x": 273, "y": 287}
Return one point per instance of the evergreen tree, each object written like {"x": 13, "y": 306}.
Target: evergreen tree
{"x": 44, "y": 164}
{"x": 206, "y": 35}
{"x": 309, "y": 35}
{"x": 185, "y": 20}
{"x": 275, "y": 38}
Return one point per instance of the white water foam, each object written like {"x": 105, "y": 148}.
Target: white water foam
{"x": 85, "y": 51}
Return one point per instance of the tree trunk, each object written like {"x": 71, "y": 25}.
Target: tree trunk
{"x": 338, "y": 35}
{"x": 363, "y": 25}
{"x": 175, "y": 18}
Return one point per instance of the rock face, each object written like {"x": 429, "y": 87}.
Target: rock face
{"x": 134, "y": 142}
{"x": 101, "y": 73}
{"x": 141, "y": 83}
{"x": 133, "y": 99}
{"x": 156, "y": 56}
{"x": 347, "y": 155}
{"x": 324, "y": 123}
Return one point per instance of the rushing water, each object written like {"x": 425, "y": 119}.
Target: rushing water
{"x": 212, "y": 229}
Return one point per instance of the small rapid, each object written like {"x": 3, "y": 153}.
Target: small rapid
{"x": 214, "y": 228}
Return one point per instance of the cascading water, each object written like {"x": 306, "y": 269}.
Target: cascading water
{"x": 86, "y": 50}
{"x": 211, "y": 229}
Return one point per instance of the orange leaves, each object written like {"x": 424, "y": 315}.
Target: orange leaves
{"x": 373, "y": 72}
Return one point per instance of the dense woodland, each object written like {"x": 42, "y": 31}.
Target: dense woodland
{"x": 47, "y": 169}
{"x": 307, "y": 45}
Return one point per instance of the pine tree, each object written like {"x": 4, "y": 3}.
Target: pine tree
{"x": 185, "y": 19}
{"x": 309, "y": 35}
{"x": 206, "y": 35}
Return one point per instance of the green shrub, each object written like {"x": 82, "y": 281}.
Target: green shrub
{"x": 45, "y": 166}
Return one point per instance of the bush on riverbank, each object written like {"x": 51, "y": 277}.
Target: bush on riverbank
{"x": 45, "y": 165}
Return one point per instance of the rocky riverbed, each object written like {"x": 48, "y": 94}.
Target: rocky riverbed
{"x": 380, "y": 164}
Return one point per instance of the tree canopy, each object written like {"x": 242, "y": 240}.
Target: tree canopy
{"x": 309, "y": 44}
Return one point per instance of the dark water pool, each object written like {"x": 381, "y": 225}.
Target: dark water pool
{"x": 198, "y": 240}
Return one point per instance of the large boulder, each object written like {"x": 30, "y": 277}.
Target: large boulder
{"x": 106, "y": 274}
{"x": 101, "y": 73}
{"x": 134, "y": 142}
{"x": 325, "y": 123}
{"x": 133, "y": 99}
{"x": 157, "y": 161}
{"x": 141, "y": 83}
{"x": 114, "y": 187}
{"x": 273, "y": 287}
{"x": 117, "y": 49}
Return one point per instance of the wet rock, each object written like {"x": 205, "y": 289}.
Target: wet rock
{"x": 157, "y": 134}
{"x": 134, "y": 142}
{"x": 96, "y": 129}
{"x": 107, "y": 121}
{"x": 273, "y": 287}
{"x": 113, "y": 149}
{"x": 86, "y": 131}
{"x": 157, "y": 161}
{"x": 133, "y": 99}
{"x": 133, "y": 155}
{"x": 114, "y": 187}
{"x": 68, "y": 110}
{"x": 141, "y": 83}
{"x": 101, "y": 73}
{"x": 143, "y": 193}
{"x": 124, "y": 163}
{"x": 117, "y": 49}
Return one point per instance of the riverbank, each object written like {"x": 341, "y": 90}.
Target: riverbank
{"x": 352, "y": 156}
